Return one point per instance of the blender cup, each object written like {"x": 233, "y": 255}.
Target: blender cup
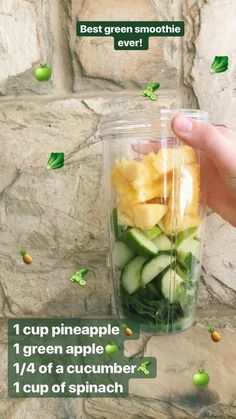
{"x": 155, "y": 203}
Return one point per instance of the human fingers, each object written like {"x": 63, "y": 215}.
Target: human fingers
{"x": 209, "y": 139}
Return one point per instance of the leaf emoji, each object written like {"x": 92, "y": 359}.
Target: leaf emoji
{"x": 56, "y": 161}
{"x": 220, "y": 64}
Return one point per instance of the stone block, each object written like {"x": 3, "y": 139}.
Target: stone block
{"x": 25, "y": 42}
{"x": 97, "y": 66}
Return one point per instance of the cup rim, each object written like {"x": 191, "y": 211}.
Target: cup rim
{"x": 189, "y": 112}
{"x": 144, "y": 121}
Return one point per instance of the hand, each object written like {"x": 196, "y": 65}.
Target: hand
{"x": 219, "y": 144}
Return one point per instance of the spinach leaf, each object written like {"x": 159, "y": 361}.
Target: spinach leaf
{"x": 56, "y": 161}
{"x": 145, "y": 305}
{"x": 220, "y": 64}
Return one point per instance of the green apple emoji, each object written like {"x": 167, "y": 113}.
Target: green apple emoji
{"x": 43, "y": 73}
{"x": 111, "y": 349}
{"x": 201, "y": 378}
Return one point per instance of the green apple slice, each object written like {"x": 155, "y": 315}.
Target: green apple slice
{"x": 139, "y": 244}
{"x": 187, "y": 234}
{"x": 153, "y": 232}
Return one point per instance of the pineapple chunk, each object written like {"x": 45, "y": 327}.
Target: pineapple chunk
{"x": 123, "y": 189}
{"x": 132, "y": 182}
{"x": 167, "y": 159}
{"x": 137, "y": 182}
{"x": 187, "y": 191}
{"x": 127, "y": 194}
{"x": 189, "y": 196}
{"x": 150, "y": 161}
{"x": 184, "y": 204}
{"x": 147, "y": 192}
{"x": 123, "y": 218}
{"x": 163, "y": 186}
{"x": 164, "y": 161}
{"x": 187, "y": 155}
{"x": 175, "y": 223}
{"x": 136, "y": 173}
{"x": 144, "y": 216}
{"x": 147, "y": 215}
{"x": 161, "y": 182}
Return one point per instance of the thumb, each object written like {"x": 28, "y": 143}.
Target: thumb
{"x": 207, "y": 138}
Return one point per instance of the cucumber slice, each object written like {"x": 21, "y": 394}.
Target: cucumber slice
{"x": 154, "y": 267}
{"x": 154, "y": 290}
{"x": 119, "y": 230}
{"x": 154, "y": 285}
{"x": 138, "y": 243}
{"x": 153, "y": 233}
{"x": 187, "y": 246}
{"x": 163, "y": 243}
{"x": 187, "y": 234}
{"x": 121, "y": 254}
{"x": 170, "y": 285}
{"x": 130, "y": 277}
{"x": 182, "y": 272}
{"x": 116, "y": 227}
{"x": 189, "y": 262}
{"x": 191, "y": 272}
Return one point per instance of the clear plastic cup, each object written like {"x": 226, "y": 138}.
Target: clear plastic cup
{"x": 155, "y": 209}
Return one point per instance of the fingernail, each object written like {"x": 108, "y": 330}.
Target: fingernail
{"x": 183, "y": 124}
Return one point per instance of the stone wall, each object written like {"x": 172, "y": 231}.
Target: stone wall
{"x": 60, "y": 216}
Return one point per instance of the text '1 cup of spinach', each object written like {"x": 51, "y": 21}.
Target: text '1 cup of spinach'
{"x": 155, "y": 209}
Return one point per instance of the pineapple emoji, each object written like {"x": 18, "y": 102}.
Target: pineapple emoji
{"x": 27, "y": 259}
{"x": 215, "y": 336}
